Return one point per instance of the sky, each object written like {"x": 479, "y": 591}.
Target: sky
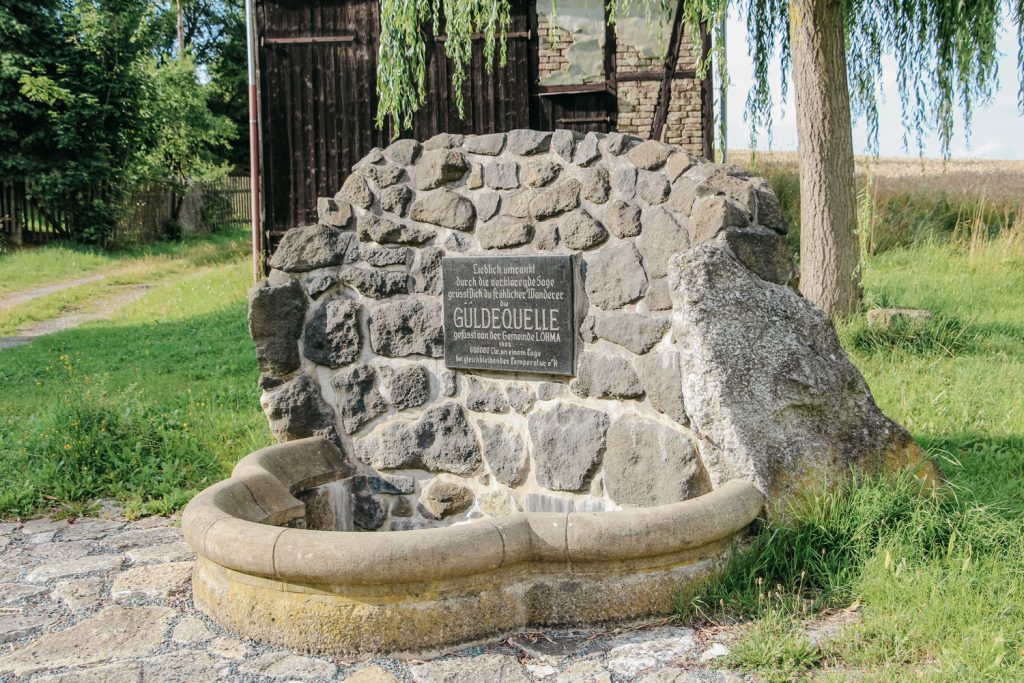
{"x": 997, "y": 131}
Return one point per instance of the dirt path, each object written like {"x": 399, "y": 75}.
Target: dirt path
{"x": 74, "y": 316}
{"x": 18, "y": 298}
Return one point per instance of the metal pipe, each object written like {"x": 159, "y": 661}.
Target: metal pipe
{"x": 254, "y": 150}
{"x": 723, "y": 89}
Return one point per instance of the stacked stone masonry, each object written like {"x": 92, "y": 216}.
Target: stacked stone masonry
{"x": 349, "y": 337}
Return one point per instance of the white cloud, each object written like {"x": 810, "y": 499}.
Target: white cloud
{"x": 997, "y": 130}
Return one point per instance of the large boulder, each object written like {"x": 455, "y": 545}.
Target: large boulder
{"x": 768, "y": 387}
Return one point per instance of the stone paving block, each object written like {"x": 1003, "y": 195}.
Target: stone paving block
{"x": 635, "y": 658}
{"x": 541, "y": 670}
{"x": 55, "y": 551}
{"x": 90, "y": 530}
{"x": 84, "y": 565}
{"x": 228, "y": 648}
{"x": 371, "y": 674}
{"x": 135, "y": 538}
{"x": 301, "y": 668}
{"x": 121, "y": 672}
{"x": 152, "y": 581}
{"x": 115, "y": 633}
{"x": 12, "y": 593}
{"x": 191, "y": 666}
{"x": 485, "y": 668}
{"x": 190, "y": 631}
{"x": 42, "y": 525}
{"x": 80, "y": 594}
{"x": 586, "y": 671}
{"x": 164, "y": 552}
{"x": 17, "y": 625}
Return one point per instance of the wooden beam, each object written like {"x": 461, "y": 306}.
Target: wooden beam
{"x": 306, "y": 40}
{"x": 654, "y": 75}
{"x": 543, "y": 90}
{"x": 585, "y": 119}
{"x": 671, "y": 57}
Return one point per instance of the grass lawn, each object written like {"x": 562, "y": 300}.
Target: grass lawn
{"x": 938, "y": 581}
{"x": 161, "y": 400}
{"x": 148, "y": 407}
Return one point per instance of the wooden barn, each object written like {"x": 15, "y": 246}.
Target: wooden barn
{"x": 316, "y": 62}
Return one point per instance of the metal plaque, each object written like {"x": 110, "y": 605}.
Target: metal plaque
{"x": 511, "y": 313}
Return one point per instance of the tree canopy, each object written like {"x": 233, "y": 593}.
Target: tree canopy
{"x": 94, "y": 101}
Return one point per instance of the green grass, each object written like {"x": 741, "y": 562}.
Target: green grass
{"x": 130, "y": 268}
{"x": 147, "y": 407}
{"x": 940, "y": 578}
{"x": 25, "y": 268}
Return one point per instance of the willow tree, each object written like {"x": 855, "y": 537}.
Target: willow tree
{"x": 946, "y": 51}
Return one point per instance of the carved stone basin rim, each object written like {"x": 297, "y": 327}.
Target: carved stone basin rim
{"x": 423, "y": 591}
{"x": 234, "y": 523}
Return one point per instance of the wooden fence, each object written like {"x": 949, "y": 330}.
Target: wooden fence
{"x": 26, "y": 219}
{"x": 236, "y": 190}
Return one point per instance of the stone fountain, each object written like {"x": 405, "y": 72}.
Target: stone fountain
{"x": 523, "y": 379}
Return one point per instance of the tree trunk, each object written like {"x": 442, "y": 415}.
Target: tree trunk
{"x": 829, "y": 253}
{"x": 181, "y": 31}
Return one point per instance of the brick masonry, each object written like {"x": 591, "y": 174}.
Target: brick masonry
{"x": 636, "y": 100}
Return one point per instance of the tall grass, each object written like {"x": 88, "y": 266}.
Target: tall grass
{"x": 902, "y": 549}
{"x": 902, "y": 204}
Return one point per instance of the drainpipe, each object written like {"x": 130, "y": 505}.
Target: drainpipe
{"x": 254, "y": 150}
{"x": 723, "y": 97}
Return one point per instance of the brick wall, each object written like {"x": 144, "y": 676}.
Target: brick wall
{"x": 637, "y": 100}
{"x": 554, "y": 46}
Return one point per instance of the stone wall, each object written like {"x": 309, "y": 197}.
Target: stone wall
{"x": 349, "y": 333}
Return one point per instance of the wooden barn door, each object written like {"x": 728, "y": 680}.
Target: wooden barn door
{"x": 494, "y": 101}
{"x": 318, "y": 66}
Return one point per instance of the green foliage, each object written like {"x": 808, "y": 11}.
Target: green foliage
{"x": 401, "y": 65}
{"x": 946, "y": 51}
{"x": 229, "y": 92}
{"x": 91, "y": 111}
{"x": 189, "y": 140}
{"x": 29, "y": 35}
{"x": 94, "y": 89}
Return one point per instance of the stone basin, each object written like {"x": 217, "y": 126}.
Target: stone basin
{"x": 550, "y": 376}
{"x": 421, "y": 591}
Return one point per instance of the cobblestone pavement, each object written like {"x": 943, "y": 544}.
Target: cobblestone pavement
{"x": 103, "y": 600}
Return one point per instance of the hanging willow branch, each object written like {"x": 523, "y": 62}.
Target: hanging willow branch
{"x": 945, "y": 50}
{"x": 406, "y": 26}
